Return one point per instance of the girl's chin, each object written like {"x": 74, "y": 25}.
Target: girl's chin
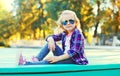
{"x": 69, "y": 29}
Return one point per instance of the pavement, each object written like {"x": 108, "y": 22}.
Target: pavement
{"x": 94, "y": 54}
{"x": 103, "y": 47}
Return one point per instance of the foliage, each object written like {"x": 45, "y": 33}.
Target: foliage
{"x": 35, "y": 19}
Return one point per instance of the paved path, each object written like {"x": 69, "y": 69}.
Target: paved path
{"x": 103, "y": 47}
{"x": 9, "y": 56}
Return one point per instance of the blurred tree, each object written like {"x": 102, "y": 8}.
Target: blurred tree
{"x": 34, "y": 19}
{"x": 30, "y": 15}
{"x": 108, "y": 17}
{"x": 7, "y": 22}
{"x": 98, "y": 14}
{"x": 112, "y": 17}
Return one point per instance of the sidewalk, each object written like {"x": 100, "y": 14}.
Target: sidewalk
{"x": 103, "y": 47}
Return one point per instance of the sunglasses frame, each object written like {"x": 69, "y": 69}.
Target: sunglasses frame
{"x": 65, "y": 22}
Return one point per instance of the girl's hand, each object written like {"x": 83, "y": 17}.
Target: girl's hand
{"x": 53, "y": 59}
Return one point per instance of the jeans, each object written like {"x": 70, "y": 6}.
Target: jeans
{"x": 44, "y": 51}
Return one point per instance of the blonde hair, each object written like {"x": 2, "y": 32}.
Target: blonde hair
{"x": 60, "y": 26}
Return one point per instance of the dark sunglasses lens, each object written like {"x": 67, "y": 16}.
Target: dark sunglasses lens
{"x": 64, "y": 22}
{"x": 71, "y": 21}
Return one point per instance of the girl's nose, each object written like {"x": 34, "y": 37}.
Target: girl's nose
{"x": 68, "y": 23}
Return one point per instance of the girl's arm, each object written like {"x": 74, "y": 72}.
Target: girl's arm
{"x": 64, "y": 56}
{"x": 57, "y": 37}
{"x": 54, "y": 59}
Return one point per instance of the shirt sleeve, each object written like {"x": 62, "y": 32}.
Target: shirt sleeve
{"x": 57, "y": 37}
{"x": 76, "y": 45}
{"x": 76, "y": 51}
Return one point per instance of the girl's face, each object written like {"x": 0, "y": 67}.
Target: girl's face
{"x": 68, "y": 22}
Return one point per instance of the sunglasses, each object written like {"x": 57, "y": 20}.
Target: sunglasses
{"x": 65, "y": 22}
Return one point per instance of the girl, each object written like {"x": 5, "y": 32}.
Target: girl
{"x": 72, "y": 51}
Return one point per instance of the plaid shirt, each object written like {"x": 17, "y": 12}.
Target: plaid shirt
{"x": 76, "y": 51}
